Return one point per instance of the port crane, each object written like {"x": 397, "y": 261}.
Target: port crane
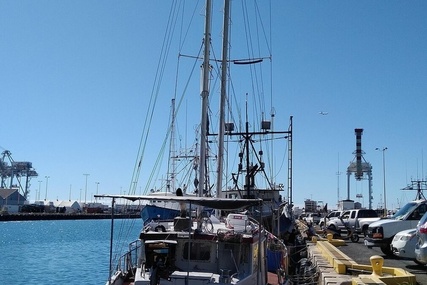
{"x": 11, "y": 171}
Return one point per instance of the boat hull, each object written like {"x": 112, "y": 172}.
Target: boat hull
{"x": 152, "y": 212}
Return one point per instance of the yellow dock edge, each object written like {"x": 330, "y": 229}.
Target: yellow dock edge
{"x": 381, "y": 275}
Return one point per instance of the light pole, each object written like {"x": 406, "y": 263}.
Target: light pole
{"x": 47, "y": 180}
{"x": 97, "y": 185}
{"x": 86, "y": 174}
{"x": 385, "y": 199}
{"x": 38, "y": 197}
{"x": 69, "y": 196}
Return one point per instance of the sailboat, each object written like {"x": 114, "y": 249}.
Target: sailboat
{"x": 229, "y": 246}
{"x": 165, "y": 209}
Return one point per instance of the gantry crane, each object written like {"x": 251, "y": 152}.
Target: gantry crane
{"x": 12, "y": 172}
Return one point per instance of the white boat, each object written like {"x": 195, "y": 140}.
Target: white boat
{"x": 230, "y": 247}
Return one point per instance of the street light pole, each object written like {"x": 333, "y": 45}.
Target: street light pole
{"x": 47, "y": 180}
{"x": 385, "y": 197}
{"x": 38, "y": 195}
{"x": 97, "y": 184}
{"x": 86, "y": 174}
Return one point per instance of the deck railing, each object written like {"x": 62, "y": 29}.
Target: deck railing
{"x": 128, "y": 262}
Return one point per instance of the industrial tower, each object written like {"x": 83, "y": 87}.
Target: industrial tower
{"x": 16, "y": 170}
{"x": 359, "y": 167}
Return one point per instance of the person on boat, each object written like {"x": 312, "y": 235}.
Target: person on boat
{"x": 157, "y": 270}
{"x": 181, "y": 204}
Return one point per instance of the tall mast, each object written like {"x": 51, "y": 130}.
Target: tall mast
{"x": 205, "y": 95}
{"x": 224, "y": 65}
{"x": 170, "y": 180}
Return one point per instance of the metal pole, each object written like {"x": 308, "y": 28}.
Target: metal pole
{"x": 223, "y": 97}
{"x": 97, "y": 185}
{"x": 85, "y": 174}
{"x": 47, "y": 180}
{"x": 205, "y": 95}
{"x": 385, "y": 197}
{"x": 384, "y": 188}
{"x": 111, "y": 241}
{"x": 38, "y": 197}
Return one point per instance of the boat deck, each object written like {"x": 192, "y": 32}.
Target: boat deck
{"x": 271, "y": 277}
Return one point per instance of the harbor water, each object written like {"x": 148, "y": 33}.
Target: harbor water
{"x": 60, "y": 251}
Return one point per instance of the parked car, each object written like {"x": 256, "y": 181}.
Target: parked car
{"x": 381, "y": 233}
{"x": 421, "y": 245}
{"x": 403, "y": 244}
{"x": 313, "y": 218}
{"x": 350, "y": 218}
{"x": 332, "y": 215}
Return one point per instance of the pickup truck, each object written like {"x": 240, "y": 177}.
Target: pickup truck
{"x": 352, "y": 219}
{"x": 332, "y": 215}
{"x": 381, "y": 233}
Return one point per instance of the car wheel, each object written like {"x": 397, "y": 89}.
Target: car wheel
{"x": 419, "y": 263}
{"x": 332, "y": 227}
{"x": 387, "y": 250}
{"x": 354, "y": 238}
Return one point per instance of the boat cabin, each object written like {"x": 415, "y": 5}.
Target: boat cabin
{"x": 206, "y": 257}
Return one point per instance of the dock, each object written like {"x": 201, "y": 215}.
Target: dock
{"x": 336, "y": 268}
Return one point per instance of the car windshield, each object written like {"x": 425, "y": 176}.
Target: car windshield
{"x": 404, "y": 211}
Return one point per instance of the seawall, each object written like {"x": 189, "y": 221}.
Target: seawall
{"x": 59, "y": 216}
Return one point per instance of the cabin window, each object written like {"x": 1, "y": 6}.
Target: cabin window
{"x": 157, "y": 251}
{"x": 198, "y": 251}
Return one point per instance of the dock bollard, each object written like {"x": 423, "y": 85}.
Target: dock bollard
{"x": 377, "y": 263}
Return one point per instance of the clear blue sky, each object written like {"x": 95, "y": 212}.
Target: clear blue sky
{"x": 75, "y": 77}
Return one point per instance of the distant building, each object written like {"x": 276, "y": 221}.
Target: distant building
{"x": 346, "y": 205}
{"x": 11, "y": 200}
{"x": 310, "y": 206}
{"x": 68, "y": 207}
{"x": 95, "y": 208}
{"x": 60, "y": 206}
{"x": 357, "y": 205}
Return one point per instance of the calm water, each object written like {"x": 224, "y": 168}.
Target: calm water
{"x": 59, "y": 252}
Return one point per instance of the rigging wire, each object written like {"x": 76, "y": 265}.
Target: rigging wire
{"x": 155, "y": 92}
{"x": 149, "y": 117}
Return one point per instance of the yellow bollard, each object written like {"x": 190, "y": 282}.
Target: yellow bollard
{"x": 377, "y": 263}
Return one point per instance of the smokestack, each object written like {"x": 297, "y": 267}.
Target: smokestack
{"x": 359, "y": 172}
